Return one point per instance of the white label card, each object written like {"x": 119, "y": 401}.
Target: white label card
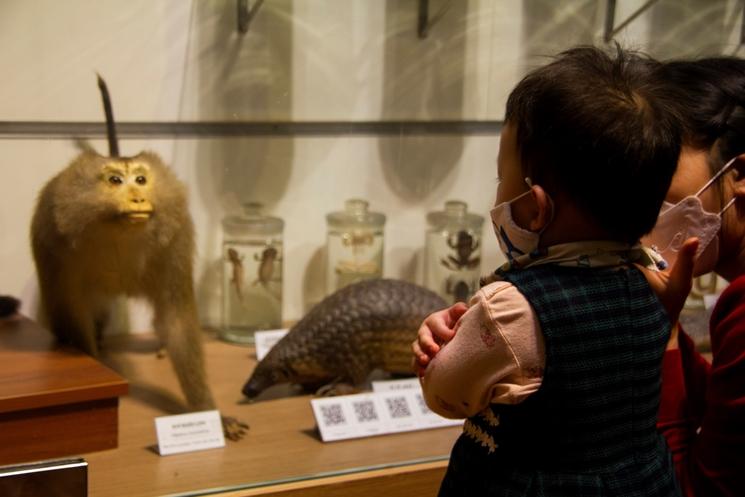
{"x": 396, "y": 385}
{"x": 189, "y": 432}
{"x": 266, "y": 339}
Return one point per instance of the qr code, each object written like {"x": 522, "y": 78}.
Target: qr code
{"x": 365, "y": 411}
{"x": 422, "y": 404}
{"x": 398, "y": 407}
{"x": 332, "y": 415}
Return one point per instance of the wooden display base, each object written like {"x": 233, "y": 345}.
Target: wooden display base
{"x": 53, "y": 402}
{"x": 281, "y": 455}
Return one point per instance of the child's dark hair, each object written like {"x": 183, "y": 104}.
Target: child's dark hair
{"x": 602, "y": 129}
{"x": 712, "y": 98}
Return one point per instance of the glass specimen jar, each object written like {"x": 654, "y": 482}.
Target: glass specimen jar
{"x": 252, "y": 274}
{"x": 453, "y": 252}
{"x": 354, "y": 245}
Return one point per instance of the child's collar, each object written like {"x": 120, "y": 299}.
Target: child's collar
{"x": 590, "y": 254}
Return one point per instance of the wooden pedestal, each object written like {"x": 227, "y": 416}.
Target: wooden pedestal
{"x": 53, "y": 402}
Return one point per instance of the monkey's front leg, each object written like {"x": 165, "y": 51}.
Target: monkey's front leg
{"x": 179, "y": 327}
{"x": 71, "y": 319}
{"x": 180, "y": 334}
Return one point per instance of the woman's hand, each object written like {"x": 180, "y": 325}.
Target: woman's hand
{"x": 673, "y": 285}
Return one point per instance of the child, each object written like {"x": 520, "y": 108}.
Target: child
{"x": 556, "y": 364}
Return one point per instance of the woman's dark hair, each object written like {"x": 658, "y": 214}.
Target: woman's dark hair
{"x": 712, "y": 98}
{"x": 604, "y": 129}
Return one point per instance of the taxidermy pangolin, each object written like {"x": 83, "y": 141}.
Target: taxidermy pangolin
{"x": 362, "y": 327}
{"x": 107, "y": 226}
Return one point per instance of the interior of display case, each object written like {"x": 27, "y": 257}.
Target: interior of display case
{"x": 281, "y": 453}
{"x": 282, "y": 444}
{"x": 301, "y": 108}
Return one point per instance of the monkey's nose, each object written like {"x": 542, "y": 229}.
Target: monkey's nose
{"x": 137, "y": 200}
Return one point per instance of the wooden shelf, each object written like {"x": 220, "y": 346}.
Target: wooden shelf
{"x": 281, "y": 454}
{"x": 53, "y": 402}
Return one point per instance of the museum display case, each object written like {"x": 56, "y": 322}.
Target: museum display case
{"x": 272, "y": 114}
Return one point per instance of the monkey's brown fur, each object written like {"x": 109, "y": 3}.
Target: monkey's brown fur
{"x": 107, "y": 226}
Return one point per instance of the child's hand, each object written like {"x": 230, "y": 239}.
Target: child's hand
{"x": 673, "y": 285}
{"x": 437, "y": 328}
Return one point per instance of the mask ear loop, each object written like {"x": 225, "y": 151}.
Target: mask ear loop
{"x": 726, "y": 167}
{"x": 723, "y": 170}
{"x": 729, "y": 204}
{"x": 530, "y": 184}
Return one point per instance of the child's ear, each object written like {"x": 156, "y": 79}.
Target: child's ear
{"x": 544, "y": 206}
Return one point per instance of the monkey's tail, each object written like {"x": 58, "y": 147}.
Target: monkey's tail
{"x": 110, "y": 126}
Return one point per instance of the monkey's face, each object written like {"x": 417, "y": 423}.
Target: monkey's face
{"x": 128, "y": 185}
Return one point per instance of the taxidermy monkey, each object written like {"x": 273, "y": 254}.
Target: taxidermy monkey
{"x": 107, "y": 226}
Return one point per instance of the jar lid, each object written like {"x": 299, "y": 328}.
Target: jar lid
{"x": 252, "y": 220}
{"x": 455, "y": 217}
{"x": 355, "y": 215}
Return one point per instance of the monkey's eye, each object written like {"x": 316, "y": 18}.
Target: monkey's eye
{"x": 141, "y": 180}
{"x": 115, "y": 180}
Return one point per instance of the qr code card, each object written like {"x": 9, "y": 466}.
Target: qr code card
{"x": 421, "y": 414}
{"x": 349, "y": 416}
{"x": 399, "y": 408}
{"x": 428, "y": 418}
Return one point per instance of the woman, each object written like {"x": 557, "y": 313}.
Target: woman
{"x": 702, "y": 412}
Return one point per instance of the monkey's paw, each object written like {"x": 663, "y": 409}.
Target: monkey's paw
{"x": 234, "y": 429}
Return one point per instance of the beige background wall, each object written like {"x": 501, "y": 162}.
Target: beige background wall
{"x": 302, "y": 60}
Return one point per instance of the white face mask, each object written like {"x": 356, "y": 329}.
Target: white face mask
{"x": 514, "y": 240}
{"x": 678, "y": 222}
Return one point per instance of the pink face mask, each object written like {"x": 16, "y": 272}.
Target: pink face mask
{"x": 678, "y": 222}
{"x": 515, "y": 241}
